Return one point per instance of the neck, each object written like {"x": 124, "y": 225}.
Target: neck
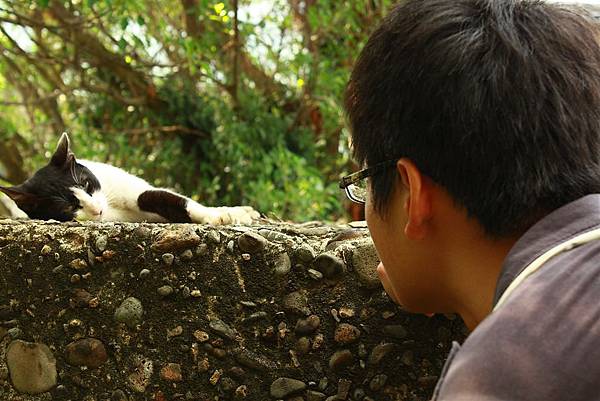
{"x": 473, "y": 273}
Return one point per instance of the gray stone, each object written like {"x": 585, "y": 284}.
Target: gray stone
{"x": 142, "y": 371}
{"x": 329, "y": 264}
{"x": 283, "y": 264}
{"x": 305, "y": 253}
{"x": 315, "y": 274}
{"x": 251, "y": 242}
{"x": 222, "y": 329}
{"x": 365, "y": 261}
{"x": 130, "y": 312}
{"x": 32, "y": 367}
{"x": 144, "y": 273}
{"x": 253, "y": 361}
{"x": 213, "y": 237}
{"x": 285, "y": 387}
{"x": 15, "y": 333}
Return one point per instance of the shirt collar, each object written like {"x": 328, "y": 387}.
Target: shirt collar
{"x": 566, "y": 222}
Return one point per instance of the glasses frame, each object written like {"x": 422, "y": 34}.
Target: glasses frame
{"x": 347, "y": 181}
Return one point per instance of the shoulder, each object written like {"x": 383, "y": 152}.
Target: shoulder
{"x": 542, "y": 341}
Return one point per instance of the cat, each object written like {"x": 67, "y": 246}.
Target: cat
{"x": 70, "y": 189}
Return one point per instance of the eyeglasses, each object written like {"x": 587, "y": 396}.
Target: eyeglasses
{"x": 355, "y": 184}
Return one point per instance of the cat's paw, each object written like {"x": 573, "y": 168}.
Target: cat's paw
{"x": 225, "y": 215}
{"x": 241, "y": 214}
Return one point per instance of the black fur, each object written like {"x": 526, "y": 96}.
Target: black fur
{"x": 46, "y": 195}
{"x": 166, "y": 204}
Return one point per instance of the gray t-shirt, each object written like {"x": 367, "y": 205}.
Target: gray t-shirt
{"x": 543, "y": 343}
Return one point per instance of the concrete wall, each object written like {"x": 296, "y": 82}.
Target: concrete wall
{"x": 184, "y": 312}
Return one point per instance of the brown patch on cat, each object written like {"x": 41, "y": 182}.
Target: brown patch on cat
{"x": 166, "y": 204}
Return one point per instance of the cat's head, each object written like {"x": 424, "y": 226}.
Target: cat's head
{"x": 61, "y": 190}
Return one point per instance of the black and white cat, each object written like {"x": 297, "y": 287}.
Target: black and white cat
{"x": 67, "y": 189}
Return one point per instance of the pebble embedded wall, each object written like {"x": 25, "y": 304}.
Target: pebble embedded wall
{"x": 104, "y": 311}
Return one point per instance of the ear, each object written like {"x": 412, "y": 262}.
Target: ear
{"x": 63, "y": 155}
{"x": 20, "y": 197}
{"x": 418, "y": 201}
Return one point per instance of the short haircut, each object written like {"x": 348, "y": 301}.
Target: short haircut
{"x": 497, "y": 101}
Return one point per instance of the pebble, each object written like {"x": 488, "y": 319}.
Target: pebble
{"x": 46, "y": 250}
{"x": 251, "y": 242}
{"x": 227, "y": 384}
{"x": 88, "y": 352}
{"x": 318, "y": 341}
{"x": 213, "y": 237}
{"x": 165, "y": 290}
{"x": 187, "y": 255}
{"x": 315, "y": 274}
{"x": 230, "y": 246}
{"x": 297, "y": 302}
{"x": 283, "y": 264}
{"x": 395, "y": 330}
{"x": 203, "y": 365}
{"x": 168, "y": 258}
{"x": 32, "y": 367}
{"x": 175, "y": 239}
{"x": 201, "y": 249}
{"x": 359, "y": 394}
{"x": 78, "y": 264}
{"x": 314, "y": 396}
{"x": 284, "y": 387}
{"x": 407, "y": 358}
{"x": 346, "y": 333}
{"x": 305, "y": 253}
{"x": 214, "y": 378}
{"x": 15, "y": 333}
{"x": 241, "y": 391}
{"x": 255, "y": 316}
{"x": 196, "y": 293}
{"x": 308, "y": 325}
{"x": 364, "y": 261}
{"x": 171, "y": 372}
{"x": 142, "y": 372}
{"x": 144, "y": 273}
{"x": 346, "y": 312}
{"x": 381, "y": 351}
{"x": 222, "y": 329}
{"x": 186, "y": 292}
{"x": 378, "y": 382}
{"x": 329, "y": 264}
{"x": 101, "y": 243}
{"x": 341, "y": 359}
{"x": 129, "y": 312}
{"x": 75, "y": 278}
{"x": 343, "y": 388}
{"x": 80, "y": 298}
{"x": 174, "y": 332}
{"x": 252, "y": 360}
{"x": 119, "y": 395}
{"x": 303, "y": 345}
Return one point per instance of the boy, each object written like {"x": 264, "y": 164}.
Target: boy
{"x": 478, "y": 122}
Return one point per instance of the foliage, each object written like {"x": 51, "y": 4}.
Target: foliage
{"x": 228, "y": 110}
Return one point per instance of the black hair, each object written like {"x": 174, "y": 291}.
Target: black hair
{"x": 497, "y": 101}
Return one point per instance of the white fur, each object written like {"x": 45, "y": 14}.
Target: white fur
{"x": 117, "y": 201}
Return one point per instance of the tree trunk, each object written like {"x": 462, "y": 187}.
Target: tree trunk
{"x": 192, "y": 312}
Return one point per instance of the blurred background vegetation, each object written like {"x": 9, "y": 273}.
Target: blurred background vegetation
{"x": 230, "y": 102}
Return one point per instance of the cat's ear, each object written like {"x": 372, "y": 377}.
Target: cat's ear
{"x": 22, "y": 198}
{"x": 62, "y": 155}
